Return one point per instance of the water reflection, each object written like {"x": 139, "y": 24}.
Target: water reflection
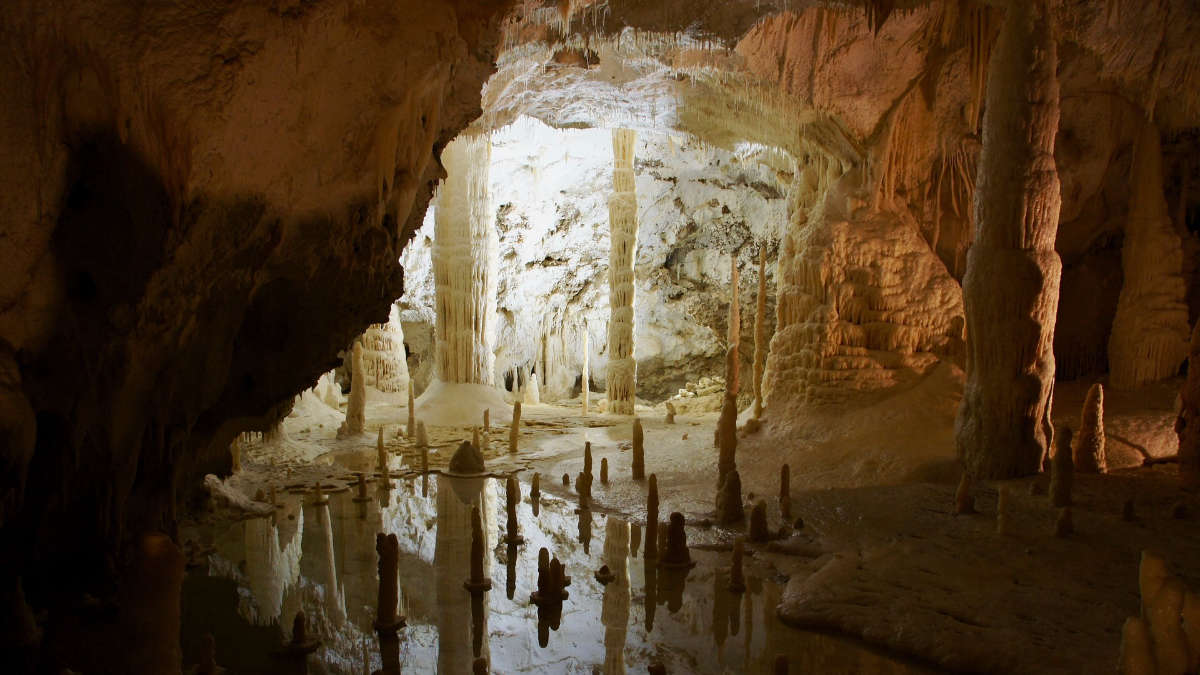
{"x": 267, "y": 570}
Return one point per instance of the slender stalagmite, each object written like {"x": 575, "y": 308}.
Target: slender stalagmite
{"x": 639, "y": 450}
{"x": 514, "y": 431}
{"x": 356, "y": 407}
{"x": 586, "y": 377}
{"x": 760, "y": 332}
{"x": 1187, "y": 425}
{"x": 587, "y": 457}
{"x": 1150, "y": 330}
{"x": 412, "y": 411}
{"x": 604, "y": 470}
{"x": 652, "y": 519}
{"x": 737, "y": 581}
{"x": 726, "y": 433}
{"x": 1010, "y": 290}
{"x": 388, "y": 548}
{"x": 465, "y": 260}
{"x": 623, "y": 221}
{"x": 1088, "y": 450}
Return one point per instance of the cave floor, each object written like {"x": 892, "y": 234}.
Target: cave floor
{"x": 889, "y": 566}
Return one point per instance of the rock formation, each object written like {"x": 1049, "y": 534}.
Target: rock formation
{"x": 1187, "y": 425}
{"x": 464, "y": 263}
{"x": 737, "y": 582}
{"x": 676, "y": 554}
{"x": 651, "y": 548}
{"x": 583, "y": 486}
{"x": 604, "y": 471}
{"x": 412, "y": 410}
{"x": 587, "y": 457}
{"x": 514, "y": 429}
{"x": 1165, "y": 638}
{"x": 585, "y": 378}
{"x": 760, "y": 332}
{"x": 785, "y": 492}
{"x": 387, "y": 547}
{"x": 512, "y": 497}
{"x": 467, "y": 460}
{"x": 639, "y": 450}
{"x": 384, "y": 358}
{"x": 670, "y": 418}
{"x": 729, "y": 500}
{"x": 1062, "y": 469}
{"x": 623, "y": 220}
{"x": 1149, "y": 337}
{"x": 356, "y": 407}
{"x": 758, "y": 522}
{"x": 1088, "y": 449}
{"x": 1010, "y": 289}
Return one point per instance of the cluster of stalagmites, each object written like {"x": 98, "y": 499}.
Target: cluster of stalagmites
{"x": 1165, "y": 638}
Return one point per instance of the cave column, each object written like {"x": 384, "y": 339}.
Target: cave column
{"x": 623, "y": 223}
{"x": 465, "y": 265}
{"x": 1010, "y": 290}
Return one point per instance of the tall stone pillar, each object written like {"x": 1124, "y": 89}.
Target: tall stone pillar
{"x": 623, "y": 223}
{"x": 1010, "y": 290}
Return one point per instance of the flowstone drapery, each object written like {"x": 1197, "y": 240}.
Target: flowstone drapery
{"x": 622, "y": 214}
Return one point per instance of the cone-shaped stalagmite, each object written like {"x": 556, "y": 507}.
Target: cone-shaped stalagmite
{"x": 1010, "y": 289}
{"x": 677, "y": 553}
{"x": 760, "y": 332}
{"x": 587, "y": 457}
{"x": 623, "y": 222}
{"x": 1088, "y": 449}
{"x": 1062, "y": 468}
{"x": 639, "y": 450}
{"x": 729, "y": 500}
{"x": 1187, "y": 425}
{"x": 1150, "y": 330}
{"x": 356, "y": 407}
{"x": 758, "y": 522}
{"x": 652, "y": 519}
{"x": 514, "y": 431}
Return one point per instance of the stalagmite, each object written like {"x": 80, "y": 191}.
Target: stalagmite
{"x": 652, "y": 519}
{"x": 623, "y": 221}
{"x": 677, "y": 554}
{"x": 487, "y": 421}
{"x": 583, "y": 486}
{"x": 380, "y": 452}
{"x": 423, "y": 445}
{"x": 514, "y": 430}
{"x": 1187, "y": 425}
{"x": 1164, "y": 613}
{"x": 467, "y": 460}
{"x": 384, "y": 357}
{"x": 1062, "y": 470}
{"x": 760, "y": 332}
{"x": 1150, "y": 330}
{"x": 465, "y": 260}
{"x": 1137, "y": 654}
{"x": 639, "y": 451}
{"x": 737, "y": 582}
{"x": 729, "y": 500}
{"x": 1088, "y": 449}
{"x": 587, "y": 457}
{"x": 758, "y": 522}
{"x": 586, "y": 376}
{"x": 535, "y": 488}
{"x": 355, "y": 409}
{"x": 301, "y": 644}
{"x": 532, "y": 393}
{"x": 475, "y": 437}
{"x": 604, "y": 470}
{"x": 512, "y": 496}
{"x": 1010, "y": 290}
{"x": 412, "y": 410}
{"x": 478, "y": 583}
{"x": 670, "y": 418}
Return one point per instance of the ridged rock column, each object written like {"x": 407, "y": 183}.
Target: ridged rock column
{"x": 465, "y": 261}
{"x": 1010, "y": 290}
{"x": 623, "y": 223}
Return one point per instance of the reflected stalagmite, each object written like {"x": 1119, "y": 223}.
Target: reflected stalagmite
{"x": 478, "y": 582}
{"x": 758, "y": 522}
{"x": 360, "y": 496}
{"x": 514, "y": 431}
{"x": 412, "y": 411}
{"x": 1187, "y": 425}
{"x": 535, "y": 492}
{"x": 510, "y": 569}
{"x": 737, "y": 582}
{"x": 614, "y": 611}
{"x": 677, "y": 554}
{"x": 1062, "y": 468}
{"x": 729, "y": 500}
{"x": 652, "y": 519}
{"x": 512, "y": 493}
{"x": 1010, "y": 290}
{"x": 639, "y": 450}
{"x": 387, "y": 621}
{"x": 1088, "y": 450}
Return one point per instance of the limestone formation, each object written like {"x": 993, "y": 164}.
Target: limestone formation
{"x": 737, "y": 582}
{"x": 604, "y": 471}
{"x": 758, "y": 522}
{"x": 552, "y": 581}
{"x": 586, "y": 376}
{"x": 1062, "y": 470}
{"x": 535, "y": 488}
{"x": 356, "y": 407}
{"x": 676, "y": 554}
{"x": 467, "y": 460}
{"x": 729, "y": 500}
{"x": 639, "y": 451}
{"x": 964, "y": 501}
{"x": 301, "y": 643}
{"x": 566, "y": 480}
{"x": 760, "y": 332}
{"x": 423, "y": 446}
{"x": 1088, "y": 449}
{"x": 512, "y": 497}
{"x": 1010, "y": 290}
{"x": 412, "y": 410}
{"x": 487, "y": 421}
{"x": 384, "y": 357}
{"x": 465, "y": 250}
{"x": 670, "y": 418}
{"x": 381, "y": 458}
{"x": 531, "y": 393}
{"x": 387, "y": 547}
{"x": 1164, "y": 613}
{"x": 1064, "y": 526}
{"x": 587, "y": 457}
{"x": 583, "y": 486}
{"x": 1149, "y": 338}
{"x": 652, "y": 519}
{"x": 514, "y": 430}
{"x": 1187, "y": 425}
{"x": 475, "y": 438}
{"x": 360, "y": 496}
{"x": 623, "y": 221}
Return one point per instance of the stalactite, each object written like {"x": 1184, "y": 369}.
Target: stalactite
{"x": 465, "y": 251}
{"x": 1010, "y": 289}
{"x": 1187, "y": 425}
{"x": 1150, "y": 330}
{"x": 622, "y": 213}
{"x": 760, "y": 332}
{"x": 355, "y": 409}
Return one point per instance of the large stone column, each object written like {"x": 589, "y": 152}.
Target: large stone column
{"x": 1010, "y": 290}
{"x": 623, "y": 223}
{"x": 465, "y": 250}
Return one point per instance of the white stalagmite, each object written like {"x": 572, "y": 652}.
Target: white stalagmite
{"x": 1010, "y": 290}
{"x": 1149, "y": 337}
{"x": 622, "y": 216}
{"x": 384, "y": 358}
{"x": 356, "y": 408}
{"x": 532, "y": 393}
{"x": 587, "y": 372}
{"x": 760, "y": 332}
{"x": 465, "y": 250}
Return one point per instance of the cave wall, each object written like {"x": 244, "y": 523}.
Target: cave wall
{"x": 191, "y": 188}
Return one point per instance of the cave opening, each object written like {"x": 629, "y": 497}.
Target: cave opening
{"x": 749, "y": 336}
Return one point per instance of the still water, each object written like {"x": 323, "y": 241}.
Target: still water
{"x": 321, "y": 558}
